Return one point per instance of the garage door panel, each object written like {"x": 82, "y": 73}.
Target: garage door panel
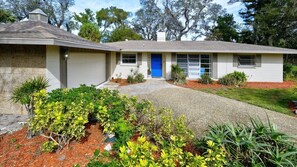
{"x": 86, "y": 68}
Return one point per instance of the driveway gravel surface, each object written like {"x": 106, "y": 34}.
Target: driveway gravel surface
{"x": 203, "y": 109}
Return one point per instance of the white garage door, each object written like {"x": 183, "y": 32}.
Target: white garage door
{"x": 85, "y": 68}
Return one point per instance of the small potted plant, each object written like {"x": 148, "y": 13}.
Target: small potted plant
{"x": 149, "y": 73}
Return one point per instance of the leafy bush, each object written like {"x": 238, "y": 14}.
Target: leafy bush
{"x": 49, "y": 146}
{"x": 178, "y": 74}
{"x": 124, "y": 130}
{"x": 255, "y": 145}
{"x": 135, "y": 77}
{"x": 234, "y": 79}
{"x": 160, "y": 125}
{"x": 24, "y": 93}
{"x": 288, "y": 71}
{"x": 62, "y": 120}
{"x": 205, "y": 79}
{"x": 139, "y": 78}
{"x": 130, "y": 79}
{"x": 144, "y": 153}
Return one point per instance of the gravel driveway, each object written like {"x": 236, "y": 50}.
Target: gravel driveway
{"x": 203, "y": 109}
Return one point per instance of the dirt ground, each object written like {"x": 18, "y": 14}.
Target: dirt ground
{"x": 17, "y": 150}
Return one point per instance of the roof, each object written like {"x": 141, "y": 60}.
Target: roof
{"x": 39, "y": 33}
{"x": 198, "y": 46}
{"x": 38, "y": 11}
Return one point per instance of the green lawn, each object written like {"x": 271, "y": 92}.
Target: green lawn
{"x": 272, "y": 99}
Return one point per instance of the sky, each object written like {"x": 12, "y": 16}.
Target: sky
{"x": 134, "y": 5}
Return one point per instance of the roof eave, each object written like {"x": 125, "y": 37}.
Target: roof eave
{"x": 56, "y": 42}
{"x": 83, "y": 45}
{"x": 209, "y": 51}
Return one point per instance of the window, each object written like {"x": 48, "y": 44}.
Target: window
{"x": 194, "y": 65}
{"x": 247, "y": 61}
{"x": 128, "y": 58}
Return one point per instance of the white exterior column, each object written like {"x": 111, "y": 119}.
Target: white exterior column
{"x": 53, "y": 67}
{"x": 168, "y": 66}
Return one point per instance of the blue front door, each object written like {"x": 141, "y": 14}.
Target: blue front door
{"x": 156, "y": 65}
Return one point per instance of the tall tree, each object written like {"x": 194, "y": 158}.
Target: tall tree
{"x": 225, "y": 30}
{"x": 189, "y": 17}
{"x": 123, "y": 33}
{"x": 57, "y": 10}
{"x": 87, "y": 25}
{"x": 271, "y": 22}
{"x": 148, "y": 19}
{"x": 111, "y": 18}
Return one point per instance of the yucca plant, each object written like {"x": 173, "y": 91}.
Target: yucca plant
{"x": 256, "y": 144}
{"x": 24, "y": 93}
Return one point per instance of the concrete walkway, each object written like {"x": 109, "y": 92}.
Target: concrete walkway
{"x": 203, "y": 109}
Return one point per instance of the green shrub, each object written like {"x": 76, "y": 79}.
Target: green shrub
{"x": 139, "y": 78}
{"x": 135, "y": 77}
{"x": 24, "y": 93}
{"x": 178, "y": 75}
{"x": 49, "y": 146}
{"x": 62, "y": 120}
{"x": 287, "y": 70}
{"x": 124, "y": 130}
{"x": 131, "y": 79}
{"x": 144, "y": 153}
{"x": 205, "y": 79}
{"x": 160, "y": 125}
{"x": 255, "y": 145}
{"x": 234, "y": 79}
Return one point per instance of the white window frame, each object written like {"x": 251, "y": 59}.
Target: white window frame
{"x": 247, "y": 66}
{"x": 122, "y": 63}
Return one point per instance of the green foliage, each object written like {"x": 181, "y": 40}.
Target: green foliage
{"x": 234, "y": 79}
{"x": 130, "y": 79}
{"x": 205, "y": 79}
{"x": 255, "y": 145}
{"x": 49, "y": 146}
{"x": 161, "y": 126}
{"x": 6, "y": 16}
{"x": 123, "y": 33}
{"x": 143, "y": 153}
{"x": 135, "y": 77}
{"x": 90, "y": 32}
{"x": 24, "y": 93}
{"x": 178, "y": 75}
{"x": 225, "y": 30}
{"x": 139, "y": 78}
{"x": 288, "y": 71}
{"x": 61, "y": 120}
{"x": 124, "y": 130}
{"x": 265, "y": 19}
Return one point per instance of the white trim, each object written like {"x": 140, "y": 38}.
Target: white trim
{"x": 129, "y": 64}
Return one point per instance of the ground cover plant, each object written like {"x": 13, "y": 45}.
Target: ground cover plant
{"x": 252, "y": 145}
{"x": 205, "y": 79}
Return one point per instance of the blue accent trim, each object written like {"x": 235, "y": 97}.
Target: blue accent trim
{"x": 156, "y": 65}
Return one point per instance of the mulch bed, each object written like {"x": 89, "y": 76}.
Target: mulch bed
{"x": 257, "y": 85}
{"x": 17, "y": 150}
{"x": 123, "y": 82}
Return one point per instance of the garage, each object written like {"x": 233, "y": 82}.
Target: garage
{"x": 85, "y": 68}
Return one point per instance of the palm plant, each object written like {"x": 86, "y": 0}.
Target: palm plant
{"x": 24, "y": 93}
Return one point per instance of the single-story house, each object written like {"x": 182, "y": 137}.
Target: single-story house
{"x": 34, "y": 48}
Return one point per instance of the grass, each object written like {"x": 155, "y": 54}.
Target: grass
{"x": 272, "y": 99}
